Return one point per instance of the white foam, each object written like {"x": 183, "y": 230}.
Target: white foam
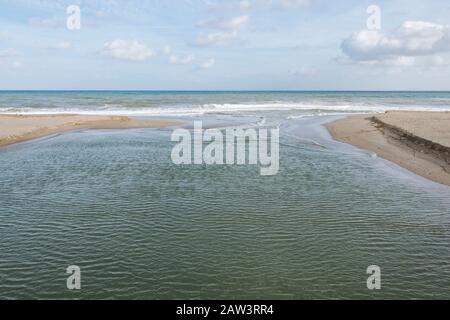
{"x": 194, "y": 110}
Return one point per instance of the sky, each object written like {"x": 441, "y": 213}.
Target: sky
{"x": 225, "y": 45}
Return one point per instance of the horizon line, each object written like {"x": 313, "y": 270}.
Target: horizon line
{"x": 198, "y": 90}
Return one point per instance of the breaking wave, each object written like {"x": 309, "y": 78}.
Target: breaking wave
{"x": 225, "y": 108}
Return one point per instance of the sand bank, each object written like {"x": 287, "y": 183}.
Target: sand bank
{"x": 417, "y": 141}
{"x": 18, "y": 128}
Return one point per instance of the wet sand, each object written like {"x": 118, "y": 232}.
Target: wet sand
{"x": 417, "y": 141}
{"x": 18, "y": 128}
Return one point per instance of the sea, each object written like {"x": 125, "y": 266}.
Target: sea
{"x": 139, "y": 226}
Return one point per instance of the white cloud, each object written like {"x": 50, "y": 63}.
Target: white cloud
{"x": 402, "y": 62}
{"x": 127, "y": 50}
{"x": 411, "y": 39}
{"x": 208, "y": 63}
{"x": 62, "y": 45}
{"x": 399, "y": 62}
{"x": 217, "y": 38}
{"x": 177, "y": 59}
{"x": 234, "y": 23}
{"x": 173, "y": 59}
{"x": 230, "y": 31}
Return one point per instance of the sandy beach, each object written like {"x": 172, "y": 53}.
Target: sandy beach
{"x": 18, "y": 128}
{"x": 417, "y": 141}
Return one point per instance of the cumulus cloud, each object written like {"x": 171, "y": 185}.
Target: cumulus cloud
{"x": 132, "y": 50}
{"x": 177, "y": 59}
{"x": 401, "y": 47}
{"x": 208, "y": 63}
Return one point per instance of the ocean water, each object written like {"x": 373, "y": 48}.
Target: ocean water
{"x": 140, "y": 227}
{"x": 181, "y": 103}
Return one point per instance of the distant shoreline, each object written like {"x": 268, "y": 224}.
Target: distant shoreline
{"x": 418, "y": 141}
{"x": 19, "y": 128}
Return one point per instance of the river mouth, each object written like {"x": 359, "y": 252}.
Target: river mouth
{"x": 138, "y": 226}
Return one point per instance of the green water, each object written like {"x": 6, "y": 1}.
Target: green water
{"x": 139, "y": 226}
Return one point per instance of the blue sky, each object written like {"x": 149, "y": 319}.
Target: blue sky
{"x": 225, "y": 45}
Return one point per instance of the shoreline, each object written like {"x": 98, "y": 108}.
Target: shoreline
{"x": 416, "y": 140}
{"x": 20, "y": 128}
